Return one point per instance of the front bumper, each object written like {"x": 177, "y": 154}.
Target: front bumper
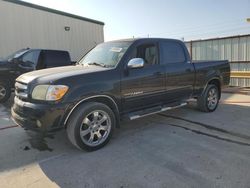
{"x": 38, "y": 117}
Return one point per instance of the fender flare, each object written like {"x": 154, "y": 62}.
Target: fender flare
{"x": 213, "y": 78}
{"x": 92, "y": 97}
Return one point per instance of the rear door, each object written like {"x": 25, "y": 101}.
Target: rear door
{"x": 180, "y": 73}
{"x": 53, "y": 58}
{"x": 144, "y": 87}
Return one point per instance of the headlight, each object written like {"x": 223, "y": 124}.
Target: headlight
{"x": 49, "y": 92}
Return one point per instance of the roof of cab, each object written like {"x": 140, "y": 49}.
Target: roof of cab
{"x": 144, "y": 39}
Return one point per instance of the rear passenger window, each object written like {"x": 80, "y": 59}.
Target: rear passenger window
{"x": 172, "y": 52}
{"x": 56, "y": 58}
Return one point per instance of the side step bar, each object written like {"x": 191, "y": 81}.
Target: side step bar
{"x": 136, "y": 116}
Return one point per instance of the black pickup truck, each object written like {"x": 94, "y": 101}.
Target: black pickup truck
{"x": 26, "y": 60}
{"x": 114, "y": 81}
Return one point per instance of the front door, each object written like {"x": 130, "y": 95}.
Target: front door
{"x": 28, "y": 61}
{"x": 144, "y": 87}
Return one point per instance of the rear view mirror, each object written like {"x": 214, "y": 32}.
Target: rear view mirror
{"x": 136, "y": 63}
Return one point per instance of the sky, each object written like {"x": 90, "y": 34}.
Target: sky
{"x": 180, "y": 19}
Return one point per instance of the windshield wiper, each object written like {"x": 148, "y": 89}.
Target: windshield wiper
{"x": 97, "y": 64}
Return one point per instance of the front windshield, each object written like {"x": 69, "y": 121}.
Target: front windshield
{"x": 106, "y": 54}
{"x": 16, "y": 54}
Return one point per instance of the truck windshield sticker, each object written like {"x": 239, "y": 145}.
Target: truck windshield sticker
{"x": 115, "y": 49}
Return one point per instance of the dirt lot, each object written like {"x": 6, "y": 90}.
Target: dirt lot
{"x": 180, "y": 148}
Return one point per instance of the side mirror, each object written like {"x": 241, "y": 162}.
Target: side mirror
{"x": 136, "y": 63}
{"x": 14, "y": 60}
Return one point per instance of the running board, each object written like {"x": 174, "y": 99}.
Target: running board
{"x": 136, "y": 116}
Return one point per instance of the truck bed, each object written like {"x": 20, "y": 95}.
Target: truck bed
{"x": 209, "y": 69}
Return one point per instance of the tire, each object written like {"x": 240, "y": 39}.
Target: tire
{"x": 5, "y": 92}
{"x": 209, "y": 100}
{"x": 91, "y": 126}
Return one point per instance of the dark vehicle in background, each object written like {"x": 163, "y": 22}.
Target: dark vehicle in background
{"x": 125, "y": 79}
{"x": 27, "y": 60}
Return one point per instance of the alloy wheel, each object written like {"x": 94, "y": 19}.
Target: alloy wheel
{"x": 2, "y": 92}
{"x": 212, "y": 99}
{"x": 95, "y": 128}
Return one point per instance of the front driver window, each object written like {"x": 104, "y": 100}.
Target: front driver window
{"x": 149, "y": 54}
{"x": 30, "y": 59}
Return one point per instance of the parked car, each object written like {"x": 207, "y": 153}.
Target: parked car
{"x": 27, "y": 60}
{"x": 115, "y": 81}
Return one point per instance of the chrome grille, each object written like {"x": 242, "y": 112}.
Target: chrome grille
{"x": 21, "y": 90}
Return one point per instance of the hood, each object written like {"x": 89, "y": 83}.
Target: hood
{"x": 52, "y": 74}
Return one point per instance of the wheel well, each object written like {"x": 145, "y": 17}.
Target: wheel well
{"x": 104, "y": 100}
{"x": 217, "y": 83}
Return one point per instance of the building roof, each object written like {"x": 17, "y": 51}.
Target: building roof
{"x": 54, "y": 11}
{"x": 219, "y": 38}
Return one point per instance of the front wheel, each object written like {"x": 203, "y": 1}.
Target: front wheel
{"x": 91, "y": 125}
{"x": 209, "y": 100}
{"x": 5, "y": 92}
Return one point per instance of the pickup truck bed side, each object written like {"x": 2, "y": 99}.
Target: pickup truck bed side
{"x": 208, "y": 71}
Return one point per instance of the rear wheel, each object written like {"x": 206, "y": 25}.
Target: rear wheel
{"x": 91, "y": 125}
{"x": 209, "y": 100}
{"x": 5, "y": 92}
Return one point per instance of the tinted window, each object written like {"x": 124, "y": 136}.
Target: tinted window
{"x": 149, "y": 53}
{"x": 30, "y": 58}
{"x": 56, "y": 58}
{"x": 17, "y": 54}
{"x": 172, "y": 52}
